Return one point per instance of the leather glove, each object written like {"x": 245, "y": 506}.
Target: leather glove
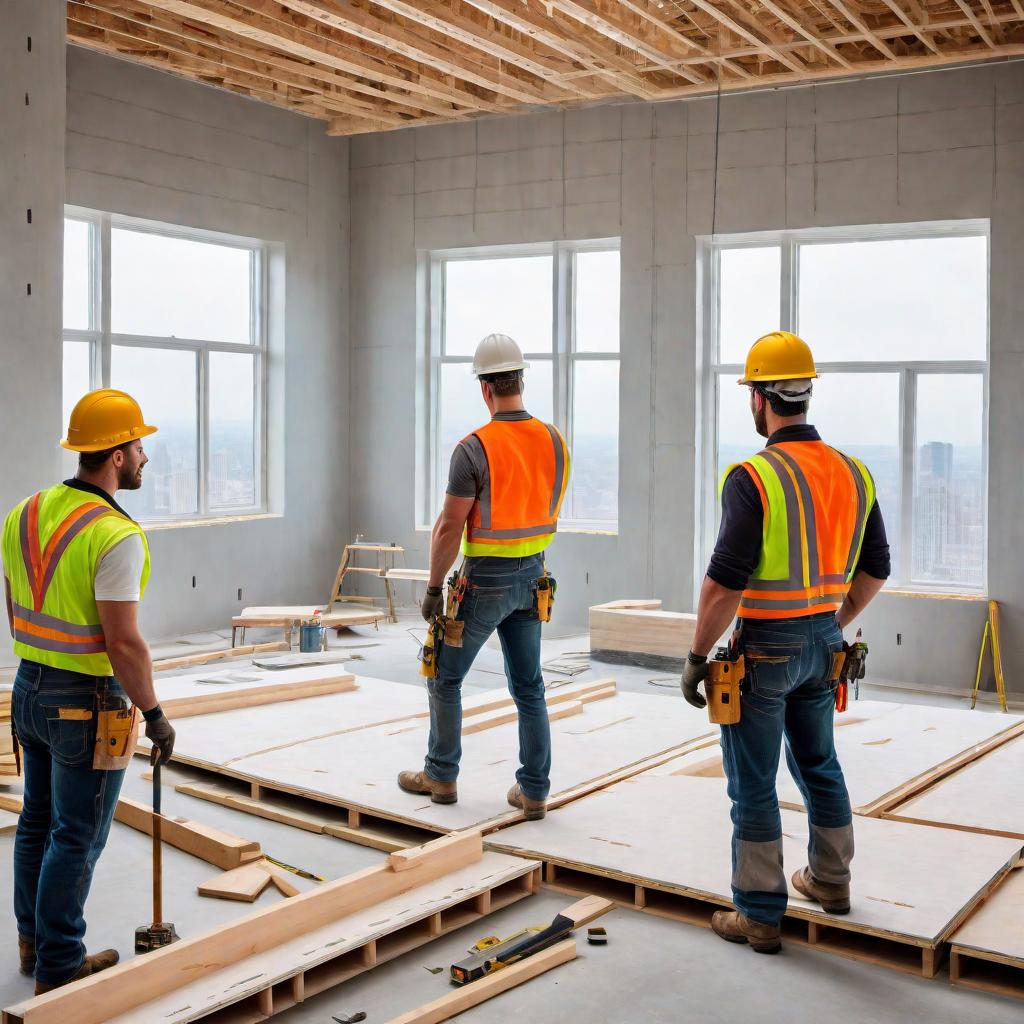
{"x": 695, "y": 671}
{"x": 433, "y": 603}
{"x": 160, "y": 733}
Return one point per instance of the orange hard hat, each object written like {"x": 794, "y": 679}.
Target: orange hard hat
{"x": 105, "y": 419}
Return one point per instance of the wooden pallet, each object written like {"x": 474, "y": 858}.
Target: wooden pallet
{"x": 913, "y": 885}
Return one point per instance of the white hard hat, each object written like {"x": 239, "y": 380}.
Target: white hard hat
{"x": 498, "y": 353}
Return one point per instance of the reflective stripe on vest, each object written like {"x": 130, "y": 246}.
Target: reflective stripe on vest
{"x": 527, "y": 475}
{"x": 816, "y": 504}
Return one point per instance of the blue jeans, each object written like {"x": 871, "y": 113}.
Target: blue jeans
{"x": 786, "y": 694}
{"x": 65, "y": 819}
{"x": 500, "y": 596}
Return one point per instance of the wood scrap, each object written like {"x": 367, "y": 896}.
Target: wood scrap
{"x": 203, "y": 841}
{"x": 461, "y": 999}
{"x": 280, "y": 879}
{"x": 439, "y": 849}
{"x": 167, "y": 664}
{"x": 243, "y": 883}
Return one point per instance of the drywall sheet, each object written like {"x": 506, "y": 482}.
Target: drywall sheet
{"x": 983, "y": 796}
{"x": 886, "y": 750}
{"x": 359, "y": 769}
{"x": 674, "y": 832}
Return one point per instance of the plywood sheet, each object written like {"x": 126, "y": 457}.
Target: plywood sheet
{"x": 909, "y": 880}
{"x": 888, "y": 750}
{"x": 996, "y": 929}
{"x": 359, "y": 769}
{"x": 983, "y": 796}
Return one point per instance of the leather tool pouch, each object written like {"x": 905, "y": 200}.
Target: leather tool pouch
{"x": 545, "y": 596}
{"x": 116, "y": 732}
{"x": 838, "y": 661}
{"x": 453, "y": 631}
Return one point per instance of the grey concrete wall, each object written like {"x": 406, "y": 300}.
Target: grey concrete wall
{"x": 922, "y": 147}
{"x": 151, "y": 145}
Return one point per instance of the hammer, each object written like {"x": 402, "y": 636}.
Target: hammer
{"x": 159, "y": 933}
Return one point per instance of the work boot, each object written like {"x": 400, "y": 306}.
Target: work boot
{"x": 92, "y": 964}
{"x": 733, "y": 926}
{"x": 27, "y": 955}
{"x": 421, "y": 782}
{"x": 534, "y": 809}
{"x": 834, "y": 899}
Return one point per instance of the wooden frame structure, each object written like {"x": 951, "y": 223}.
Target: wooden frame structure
{"x": 377, "y": 65}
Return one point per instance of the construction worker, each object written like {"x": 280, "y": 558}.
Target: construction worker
{"x": 801, "y": 552}
{"x": 75, "y": 568}
{"x": 505, "y": 489}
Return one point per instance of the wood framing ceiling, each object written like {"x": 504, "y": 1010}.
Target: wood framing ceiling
{"x": 375, "y": 65}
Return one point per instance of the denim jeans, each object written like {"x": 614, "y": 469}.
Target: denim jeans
{"x": 66, "y": 815}
{"x": 500, "y": 596}
{"x": 786, "y": 694}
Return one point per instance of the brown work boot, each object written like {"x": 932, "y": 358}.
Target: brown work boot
{"x": 834, "y": 899}
{"x": 421, "y": 782}
{"x": 733, "y": 926}
{"x": 27, "y": 955}
{"x": 534, "y": 809}
{"x": 92, "y": 964}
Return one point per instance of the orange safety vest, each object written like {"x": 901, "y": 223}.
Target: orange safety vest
{"x": 816, "y": 503}
{"x": 528, "y": 471}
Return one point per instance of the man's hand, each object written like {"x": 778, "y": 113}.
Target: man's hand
{"x": 433, "y": 603}
{"x": 160, "y": 733}
{"x": 694, "y": 672}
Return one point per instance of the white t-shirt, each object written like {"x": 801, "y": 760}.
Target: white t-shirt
{"x": 119, "y": 576}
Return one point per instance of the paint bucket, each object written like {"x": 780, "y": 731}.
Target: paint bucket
{"x": 311, "y": 638}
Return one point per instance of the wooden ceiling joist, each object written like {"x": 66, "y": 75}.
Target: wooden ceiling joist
{"x": 376, "y": 65}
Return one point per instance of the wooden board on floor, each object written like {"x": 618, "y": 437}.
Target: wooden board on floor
{"x": 300, "y": 946}
{"x": 987, "y": 952}
{"x": 913, "y": 885}
{"x": 640, "y": 633}
{"x": 983, "y": 796}
{"x": 243, "y": 884}
{"x": 284, "y": 615}
{"x": 888, "y": 751}
{"x": 208, "y": 657}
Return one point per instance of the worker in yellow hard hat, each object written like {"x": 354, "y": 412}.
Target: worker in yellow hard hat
{"x": 801, "y": 552}
{"x": 75, "y": 568}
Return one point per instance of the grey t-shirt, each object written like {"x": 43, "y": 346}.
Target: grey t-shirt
{"x": 468, "y": 473}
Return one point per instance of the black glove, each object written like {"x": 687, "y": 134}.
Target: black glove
{"x": 433, "y": 603}
{"x": 695, "y": 671}
{"x": 160, "y": 733}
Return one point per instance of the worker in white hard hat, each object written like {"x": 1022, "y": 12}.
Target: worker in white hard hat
{"x": 75, "y": 568}
{"x": 505, "y": 490}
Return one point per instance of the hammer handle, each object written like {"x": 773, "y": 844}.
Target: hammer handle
{"x": 158, "y": 865}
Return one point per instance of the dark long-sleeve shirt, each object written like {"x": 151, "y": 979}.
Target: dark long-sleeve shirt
{"x": 741, "y": 534}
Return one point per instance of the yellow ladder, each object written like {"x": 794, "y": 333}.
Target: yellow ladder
{"x": 991, "y": 631}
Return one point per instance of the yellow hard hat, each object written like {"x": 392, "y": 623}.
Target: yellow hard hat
{"x": 778, "y": 356}
{"x": 105, "y": 419}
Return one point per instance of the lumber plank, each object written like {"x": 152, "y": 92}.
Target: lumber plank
{"x": 326, "y": 682}
{"x": 166, "y": 664}
{"x": 203, "y": 841}
{"x": 441, "y": 850}
{"x": 461, "y": 999}
{"x": 243, "y": 883}
{"x": 262, "y": 808}
{"x": 132, "y": 983}
{"x": 596, "y": 689}
{"x": 502, "y": 716}
{"x": 588, "y": 909}
{"x": 280, "y": 879}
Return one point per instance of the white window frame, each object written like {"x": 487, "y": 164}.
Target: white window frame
{"x": 563, "y": 357}
{"x": 101, "y": 340}
{"x": 898, "y": 526}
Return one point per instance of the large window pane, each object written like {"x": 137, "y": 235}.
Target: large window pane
{"x": 232, "y": 430}
{"x": 910, "y": 299}
{"x": 77, "y": 276}
{"x": 748, "y": 290}
{"x": 77, "y": 371}
{"x": 737, "y": 438}
{"x": 595, "y": 441}
{"x": 949, "y": 480}
{"x": 837, "y": 410}
{"x": 461, "y": 410}
{"x": 163, "y": 382}
{"x": 596, "y": 324}
{"x": 178, "y": 287}
{"x": 501, "y": 296}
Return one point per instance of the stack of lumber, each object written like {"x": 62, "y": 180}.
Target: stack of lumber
{"x": 640, "y": 632}
{"x": 8, "y": 764}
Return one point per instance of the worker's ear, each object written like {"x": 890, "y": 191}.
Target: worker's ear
{"x": 117, "y": 457}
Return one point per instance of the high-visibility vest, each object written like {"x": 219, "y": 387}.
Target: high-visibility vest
{"x": 816, "y": 503}
{"x": 52, "y": 546}
{"x": 527, "y": 472}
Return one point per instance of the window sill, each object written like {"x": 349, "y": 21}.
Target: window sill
{"x": 588, "y": 531}
{"x": 186, "y": 524}
{"x": 936, "y": 595}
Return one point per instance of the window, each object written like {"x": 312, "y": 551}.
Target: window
{"x": 561, "y": 304}
{"x": 897, "y": 318}
{"x": 181, "y": 330}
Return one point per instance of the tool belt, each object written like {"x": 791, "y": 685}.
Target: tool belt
{"x": 723, "y": 685}
{"x": 544, "y": 596}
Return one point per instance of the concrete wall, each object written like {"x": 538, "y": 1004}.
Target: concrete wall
{"x": 150, "y": 145}
{"x": 924, "y": 147}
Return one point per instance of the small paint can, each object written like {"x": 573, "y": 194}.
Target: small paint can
{"x": 311, "y": 638}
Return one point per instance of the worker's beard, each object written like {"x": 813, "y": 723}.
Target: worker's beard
{"x": 129, "y": 478}
{"x": 760, "y": 418}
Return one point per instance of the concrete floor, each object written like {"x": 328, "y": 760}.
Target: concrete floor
{"x": 653, "y": 970}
